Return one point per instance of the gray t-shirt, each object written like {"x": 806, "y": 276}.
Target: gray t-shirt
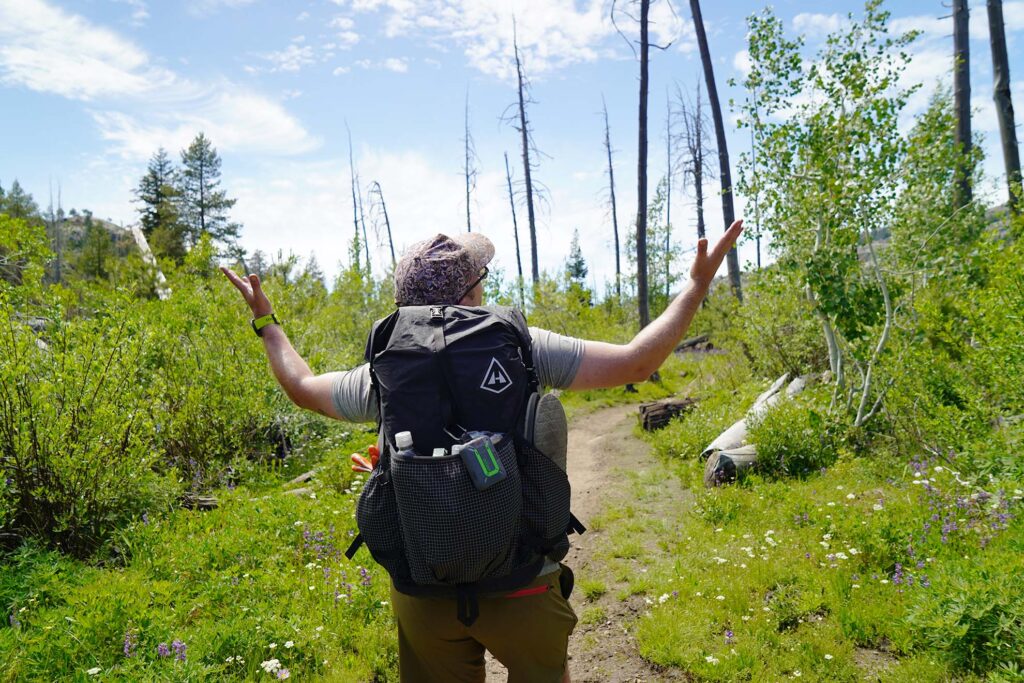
{"x": 556, "y": 357}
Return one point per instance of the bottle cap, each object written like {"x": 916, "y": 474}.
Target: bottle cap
{"x": 403, "y": 440}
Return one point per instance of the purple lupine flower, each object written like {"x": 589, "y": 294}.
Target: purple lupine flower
{"x": 163, "y": 650}
{"x": 14, "y": 621}
{"x": 366, "y": 581}
{"x": 145, "y": 518}
{"x": 728, "y": 635}
{"x": 179, "y": 650}
{"x": 925, "y": 582}
{"x": 897, "y": 576}
{"x": 130, "y": 641}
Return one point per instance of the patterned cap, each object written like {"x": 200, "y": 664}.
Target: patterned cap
{"x": 439, "y": 270}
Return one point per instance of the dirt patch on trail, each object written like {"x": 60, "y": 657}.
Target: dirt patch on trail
{"x": 602, "y": 454}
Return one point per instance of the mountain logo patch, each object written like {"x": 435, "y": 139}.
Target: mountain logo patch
{"x": 496, "y": 380}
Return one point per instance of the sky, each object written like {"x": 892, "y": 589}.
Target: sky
{"x": 91, "y": 89}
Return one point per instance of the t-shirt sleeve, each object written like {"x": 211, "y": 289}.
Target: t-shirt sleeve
{"x": 556, "y": 357}
{"x": 353, "y": 396}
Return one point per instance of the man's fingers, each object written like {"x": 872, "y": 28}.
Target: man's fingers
{"x": 238, "y": 282}
{"x": 254, "y": 282}
{"x": 726, "y": 242}
{"x": 702, "y": 246}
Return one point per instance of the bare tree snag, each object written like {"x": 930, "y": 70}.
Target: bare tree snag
{"x": 524, "y": 131}
{"x": 375, "y": 189}
{"x": 728, "y": 212}
{"x": 641, "y": 174}
{"x": 362, "y": 221}
{"x": 469, "y": 171}
{"x": 515, "y": 232}
{"x": 611, "y": 195}
{"x": 355, "y": 203}
{"x": 962, "y": 96}
{"x": 1004, "y": 103}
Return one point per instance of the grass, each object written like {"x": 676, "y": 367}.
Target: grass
{"x": 837, "y": 576}
{"x": 261, "y": 577}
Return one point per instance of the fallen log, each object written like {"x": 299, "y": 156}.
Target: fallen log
{"x": 700, "y": 343}
{"x": 730, "y": 454}
{"x": 302, "y": 478}
{"x": 657, "y": 414}
{"x": 195, "y": 501}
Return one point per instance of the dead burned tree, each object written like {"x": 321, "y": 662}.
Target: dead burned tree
{"x": 728, "y": 212}
{"x": 468, "y": 168}
{"x": 696, "y": 150}
{"x": 362, "y": 222}
{"x": 524, "y": 131}
{"x": 515, "y": 231}
{"x": 355, "y": 202}
{"x": 641, "y": 174}
{"x": 376, "y": 191}
{"x": 962, "y": 97}
{"x": 642, "y": 295}
{"x": 1004, "y": 103}
{"x": 669, "y": 173}
{"x": 611, "y": 197}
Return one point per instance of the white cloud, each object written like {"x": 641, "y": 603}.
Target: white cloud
{"x": 817, "y": 26}
{"x": 341, "y": 70}
{"x": 202, "y": 8}
{"x": 1013, "y": 16}
{"x": 136, "y": 105}
{"x": 741, "y": 62}
{"x": 342, "y": 22}
{"x": 302, "y": 16}
{"x": 46, "y": 49}
{"x": 397, "y": 64}
{"x": 292, "y": 58}
{"x": 551, "y": 33}
{"x": 234, "y": 119}
{"x": 139, "y": 11}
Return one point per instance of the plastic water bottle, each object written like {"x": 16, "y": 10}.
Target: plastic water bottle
{"x": 403, "y": 440}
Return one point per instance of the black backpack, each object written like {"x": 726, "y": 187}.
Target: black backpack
{"x": 460, "y": 377}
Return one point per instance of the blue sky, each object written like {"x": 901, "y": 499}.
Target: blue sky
{"x": 89, "y": 89}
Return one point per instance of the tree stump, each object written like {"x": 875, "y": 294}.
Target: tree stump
{"x": 657, "y": 414}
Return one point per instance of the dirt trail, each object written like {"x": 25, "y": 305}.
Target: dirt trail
{"x": 601, "y": 449}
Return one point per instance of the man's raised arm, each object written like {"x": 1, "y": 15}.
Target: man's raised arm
{"x": 612, "y": 365}
{"x": 306, "y": 390}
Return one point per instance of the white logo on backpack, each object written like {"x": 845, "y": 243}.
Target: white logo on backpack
{"x": 496, "y": 380}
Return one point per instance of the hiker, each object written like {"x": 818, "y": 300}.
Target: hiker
{"x": 443, "y": 638}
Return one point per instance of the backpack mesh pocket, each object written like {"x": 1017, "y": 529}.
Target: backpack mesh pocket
{"x": 455, "y": 533}
{"x": 546, "y": 496}
{"x": 379, "y": 525}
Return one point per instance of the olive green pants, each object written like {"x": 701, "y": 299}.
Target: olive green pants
{"x": 529, "y": 634}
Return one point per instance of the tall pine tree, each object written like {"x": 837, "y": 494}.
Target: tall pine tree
{"x": 204, "y": 206}
{"x": 159, "y": 216}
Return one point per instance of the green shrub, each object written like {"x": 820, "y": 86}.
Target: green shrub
{"x": 975, "y": 615}
{"x": 775, "y": 326}
{"x": 76, "y": 443}
{"x": 793, "y": 439}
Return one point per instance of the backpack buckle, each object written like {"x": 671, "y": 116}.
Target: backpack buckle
{"x": 437, "y": 312}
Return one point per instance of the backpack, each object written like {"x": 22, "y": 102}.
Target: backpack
{"x": 455, "y": 377}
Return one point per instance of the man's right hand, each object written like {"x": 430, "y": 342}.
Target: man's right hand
{"x": 251, "y": 290}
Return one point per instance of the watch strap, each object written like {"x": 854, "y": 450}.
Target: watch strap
{"x": 259, "y": 323}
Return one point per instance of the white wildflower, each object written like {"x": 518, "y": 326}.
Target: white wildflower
{"x": 271, "y": 666}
